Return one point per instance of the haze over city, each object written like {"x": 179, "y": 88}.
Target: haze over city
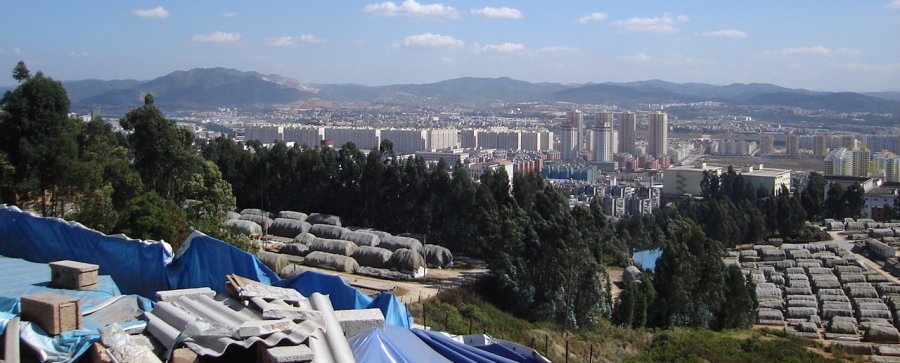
{"x": 833, "y": 46}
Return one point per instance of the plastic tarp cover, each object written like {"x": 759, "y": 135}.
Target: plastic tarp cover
{"x": 456, "y": 351}
{"x": 137, "y": 267}
{"x": 504, "y": 352}
{"x": 65, "y": 347}
{"x": 205, "y": 261}
{"x": 25, "y": 278}
{"x": 393, "y": 344}
{"x": 345, "y": 297}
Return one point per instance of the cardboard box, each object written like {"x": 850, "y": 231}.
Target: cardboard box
{"x": 55, "y": 313}
{"x": 73, "y": 275}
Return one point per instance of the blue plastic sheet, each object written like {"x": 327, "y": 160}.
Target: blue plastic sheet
{"x": 137, "y": 267}
{"x": 504, "y": 352}
{"x": 204, "y": 261}
{"x": 374, "y": 347}
{"x": 65, "y": 347}
{"x": 345, "y": 297}
{"x": 456, "y": 351}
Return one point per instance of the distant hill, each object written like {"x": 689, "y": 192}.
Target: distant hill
{"x": 626, "y": 95}
{"x": 203, "y": 88}
{"x": 839, "y": 101}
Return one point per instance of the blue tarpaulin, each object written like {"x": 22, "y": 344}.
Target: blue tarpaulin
{"x": 456, "y": 351}
{"x": 392, "y": 345}
{"x": 204, "y": 261}
{"x": 137, "y": 267}
{"x": 145, "y": 267}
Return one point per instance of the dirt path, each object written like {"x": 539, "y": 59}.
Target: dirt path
{"x": 409, "y": 292}
{"x": 615, "y": 277}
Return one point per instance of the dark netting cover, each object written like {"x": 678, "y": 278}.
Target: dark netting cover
{"x": 405, "y": 259}
{"x": 322, "y": 218}
{"x": 331, "y": 261}
{"x": 394, "y": 243}
{"x": 373, "y": 257}
{"x": 305, "y": 238}
{"x": 240, "y": 226}
{"x": 232, "y": 215}
{"x": 256, "y": 212}
{"x": 264, "y": 222}
{"x": 290, "y": 228}
{"x": 300, "y": 216}
{"x": 360, "y": 238}
{"x": 296, "y": 249}
{"x": 274, "y": 261}
{"x": 437, "y": 256}
{"x": 327, "y": 231}
{"x": 380, "y": 234}
{"x": 335, "y": 246}
{"x": 882, "y": 334}
{"x": 383, "y": 273}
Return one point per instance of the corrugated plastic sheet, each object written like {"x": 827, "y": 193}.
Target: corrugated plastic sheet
{"x": 345, "y": 297}
{"x": 167, "y": 321}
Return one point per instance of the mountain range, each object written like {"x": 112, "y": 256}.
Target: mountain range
{"x": 204, "y": 88}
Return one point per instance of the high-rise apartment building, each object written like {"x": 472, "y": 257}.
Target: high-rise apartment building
{"x": 568, "y": 136}
{"x": 601, "y": 137}
{"x": 892, "y": 170}
{"x": 861, "y": 160}
{"x": 839, "y": 162}
{"x": 576, "y": 119}
{"x": 658, "y": 143}
{"x": 766, "y": 144}
{"x": 848, "y": 142}
{"x": 793, "y": 145}
{"x": 820, "y": 145}
{"x": 626, "y": 133}
{"x": 309, "y": 136}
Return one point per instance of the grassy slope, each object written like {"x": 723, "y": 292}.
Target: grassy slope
{"x": 453, "y": 310}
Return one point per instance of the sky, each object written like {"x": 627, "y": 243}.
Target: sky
{"x": 828, "y": 45}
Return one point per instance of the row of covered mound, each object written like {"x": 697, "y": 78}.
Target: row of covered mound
{"x": 323, "y": 242}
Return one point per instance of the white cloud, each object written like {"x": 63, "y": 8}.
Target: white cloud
{"x": 498, "y": 13}
{"x": 412, "y": 9}
{"x": 726, "y": 33}
{"x": 592, "y": 18}
{"x": 230, "y": 14}
{"x": 639, "y": 57}
{"x": 448, "y": 60}
{"x": 866, "y": 67}
{"x": 1, "y": 50}
{"x": 502, "y": 48}
{"x": 678, "y": 58}
{"x": 661, "y": 24}
{"x": 18, "y": 51}
{"x": 558, "y": 49}
{"x": 288, "y": 41}
{"x": 894, "y": 4}
{"x": 156, "y": 13}
{"x": 429, "y": 40}
{"x": 77, "y": 54}
{"x": 818, "y": 50}
{"x": 217, "y": 37}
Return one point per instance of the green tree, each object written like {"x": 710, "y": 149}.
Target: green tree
{"x": 148, "y": 216}
{"x": 20, "y": 72}
{"x": 36, "y": 134}
{"x": 834, "y": 203}
{"x": 854, "y": 199}
{"x": 162, "y": 151}
{"x": 813, "y": 197}
{"x": 736, "y": 311}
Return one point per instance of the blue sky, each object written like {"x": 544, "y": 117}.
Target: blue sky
{"x": 819, "y": 45}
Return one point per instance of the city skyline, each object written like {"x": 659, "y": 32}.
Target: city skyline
{"x": 391, "y": 42}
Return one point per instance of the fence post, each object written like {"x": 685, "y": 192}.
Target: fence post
{"x": 424, "y": 317}
{"x": 470, "y": 326}
{"x": 532, "y": 343}
{"x": 546, "y": 347}
{"x": 447, "y": 321}
{"x": 567, "y": 350}
{"x": 591, "y": 356}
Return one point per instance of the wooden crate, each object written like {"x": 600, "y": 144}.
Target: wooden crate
{"x": 53, "y": 312}
{"x": 73, "y": 275}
